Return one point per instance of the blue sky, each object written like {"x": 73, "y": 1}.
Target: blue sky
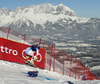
{"x": 82, "y": 8}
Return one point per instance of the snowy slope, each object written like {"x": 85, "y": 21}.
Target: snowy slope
{"x": 11, "y": 73}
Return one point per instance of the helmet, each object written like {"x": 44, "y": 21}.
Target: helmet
{"x": 38, "y": 46}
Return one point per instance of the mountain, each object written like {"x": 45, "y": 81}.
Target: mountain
{"x": 36, "y": 13}
{"x": 4, "y": 11}
{"x": 46, "y": 19}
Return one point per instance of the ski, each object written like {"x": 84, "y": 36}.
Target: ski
{"x": 30, "y": 64}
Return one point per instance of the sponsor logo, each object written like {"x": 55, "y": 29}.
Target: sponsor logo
{"x": 8, "y": 51}
{"x": 39, "y": 56}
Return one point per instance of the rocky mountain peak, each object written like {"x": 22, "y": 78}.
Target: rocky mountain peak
{"x": 47, "y": 9}
{"x": 5, "y": 11}
{"x": 65, "y": 10}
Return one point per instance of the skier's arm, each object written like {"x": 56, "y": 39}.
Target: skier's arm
{"x": 37, "y": 51}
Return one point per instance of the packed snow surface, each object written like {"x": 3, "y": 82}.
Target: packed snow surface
{"x": 11, "y": 73}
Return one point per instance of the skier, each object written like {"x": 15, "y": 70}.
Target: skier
{"x": 32, "y": 51}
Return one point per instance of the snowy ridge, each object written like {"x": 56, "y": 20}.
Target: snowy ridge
{"x": 46, "y": 19}
{"x": 38, "y": 14}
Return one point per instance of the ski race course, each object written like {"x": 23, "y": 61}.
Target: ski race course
{"x": 14, "y": 73}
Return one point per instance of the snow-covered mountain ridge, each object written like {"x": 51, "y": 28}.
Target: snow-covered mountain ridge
{"x": 37, "y": 14}
{"x": 46, "y": 19}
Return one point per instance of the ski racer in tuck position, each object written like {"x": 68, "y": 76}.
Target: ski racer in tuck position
{"x": 30, "y": 52}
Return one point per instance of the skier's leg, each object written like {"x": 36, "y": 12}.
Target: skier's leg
{"x": 32, "y": 60}
{"x": 35, "y": 58}
{"x": 28, "y": 61}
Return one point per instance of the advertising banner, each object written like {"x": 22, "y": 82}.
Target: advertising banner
{"x": 15, "y": 52}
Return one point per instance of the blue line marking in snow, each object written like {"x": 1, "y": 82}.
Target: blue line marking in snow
{"x": 69, "y": 82}
{"x": 47, "y": 78}
{"x": 43, "y": 77}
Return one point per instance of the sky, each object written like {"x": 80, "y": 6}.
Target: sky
{"x": 82, "y": 8}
